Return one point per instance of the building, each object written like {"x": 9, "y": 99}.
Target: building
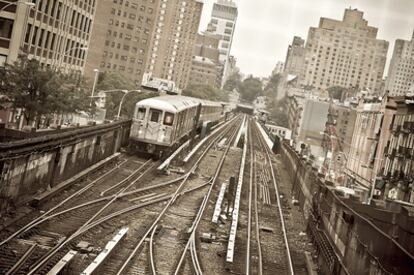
{"x": 395, "y": 164}
{"x": 223, "y": 23}
{"x": 172, "y": 42}
{"x": 360, "y": 167}
{"x": 231, "y": 68}
{"x": 56, "y": 33}
{"x": 345, "y": 53}
{"x": 294, "y": 109}
{"x": 337, "y": 139}
{"x": 120, "y": 39}
{"x": 312, "y": 125}
{"x": 278, "y": 68}
{"x": 401, "y": 73}
{"x": 340, "y": 126}
{"x": 295, "y": 58}
{"x": 205, "y": 65}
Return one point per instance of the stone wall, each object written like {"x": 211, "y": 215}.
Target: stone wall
{"x": 30, "y": 166}
{"x": 348, "y": 241}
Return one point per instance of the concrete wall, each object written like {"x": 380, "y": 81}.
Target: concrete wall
{"x": 30, "y": 166}
{"x": 347, "y": 241}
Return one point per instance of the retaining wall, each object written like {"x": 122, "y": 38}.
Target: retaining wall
{"x": 30, "y": 166}
{"x": 347, "y": 237}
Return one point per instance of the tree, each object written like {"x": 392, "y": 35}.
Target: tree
{"x": 250, "y": 88}
{"x": 232, "y": 82}
{"x": 278, "y": 112}
{"x": 114, "y": 81}
{"x": 40, "y": 91}
{"x": 205, "y": 92}
{"x": 272, "y": 87}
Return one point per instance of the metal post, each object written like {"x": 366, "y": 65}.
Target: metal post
{"x": 94, "y": 84}
{"x": 122, "y": 100}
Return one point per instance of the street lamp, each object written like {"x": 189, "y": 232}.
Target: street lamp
{"x": 122, "y": 100}
{"x": 28, "y": 4}
{"x": 96, "y": 71}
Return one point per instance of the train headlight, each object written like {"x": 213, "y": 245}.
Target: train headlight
{"x": 139, "y": 132}
{"x": 162, "y": 137}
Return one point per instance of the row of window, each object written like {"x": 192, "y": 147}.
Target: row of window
{"x": 57, "y": 10}
{"x": 122, "y": 68}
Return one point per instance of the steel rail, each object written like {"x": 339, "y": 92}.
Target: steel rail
{"x": 34, "y": 222}
{"x": 66, "y": 240}
{"x": 151, "y": 252}
{"x": 259, "y": 246}
{"x": 279, "y": 205}
{"x": 127, "y": 178}
{"x": 173, "y": 198}
{"x": 20, "y": 262}
{"x": 201, "y": 212}
{"x": 249, "y": 214}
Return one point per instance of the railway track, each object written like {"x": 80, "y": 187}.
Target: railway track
{"x": 271, "y": 244}
{"x": 73, "y": 220}
{"x": 96, "y": 208}
{"x": 170, "y": 211}
{"x": 102, "y": 206}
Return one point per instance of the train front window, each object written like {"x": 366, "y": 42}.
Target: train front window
{"x": 168, "y": 119}
{"x": 155, "y": 115}
{"x": 141, "y": 113}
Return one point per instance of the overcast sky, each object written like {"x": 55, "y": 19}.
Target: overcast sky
{"x": 265, "y": 28}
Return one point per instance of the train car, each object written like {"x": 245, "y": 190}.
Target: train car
{"x": 160, "y": 124}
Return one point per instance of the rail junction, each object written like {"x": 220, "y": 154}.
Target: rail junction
{"x": 219, "y": 209}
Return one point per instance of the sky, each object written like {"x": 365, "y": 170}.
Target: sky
{"x": 265, "y": 28}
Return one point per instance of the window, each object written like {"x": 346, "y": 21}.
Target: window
{"x": 6, "y": 27}
{"x": 169, "y": 119}
{"x": 141, "y": 113}
{"x": 155, "y": 115}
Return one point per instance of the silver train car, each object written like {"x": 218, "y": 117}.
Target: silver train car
{"x": 160, "y": 124}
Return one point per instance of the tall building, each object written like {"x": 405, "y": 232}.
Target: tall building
{"x": 223, "y": 23}
{"x": 205, "y": 65}
{"x": 172, "y": 42}
{"x": 295, "y": 58}
{"x": 56, "y": 33}
{"x": 278, "y": 68}
{"x": 345, "y": 53}
{"x": 121, "y": 36}
{"x": 401, "y": 72}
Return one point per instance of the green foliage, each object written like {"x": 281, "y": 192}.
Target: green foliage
{"x": 205, "y": 92}
{"x": 271, "y": 88}
{"x": 111, "y": 81}
{"x": 250, "y": 88}
{"x": 114, "y": 81}
{"x": 232, "y": 82}
{"x": 278, "y": 112}
{"x": 40, "y": 91}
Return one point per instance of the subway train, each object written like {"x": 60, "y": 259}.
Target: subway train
{"x": 161, "y": 124}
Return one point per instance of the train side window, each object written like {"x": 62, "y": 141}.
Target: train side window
{"x": 155, "y": 115}
{"x": 141, "y": 113}
{"x": 168, "y": 119}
